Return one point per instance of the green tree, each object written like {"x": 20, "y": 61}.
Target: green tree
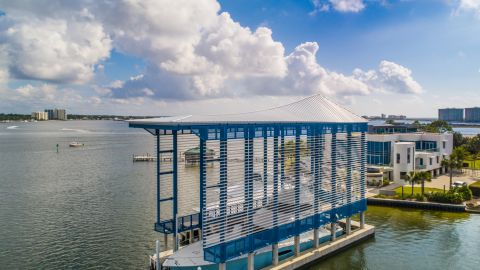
{"x": 455, "y": 161}
{"x": 472, "y": 145}
{"x": 438, "y": 126}
{"x": 418, "y": 177}
{"x": 458, "y": 139}
{"x": 410, "y": 178}
{"x": 422, "y": 177}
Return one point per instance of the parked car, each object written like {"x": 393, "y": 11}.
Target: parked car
{"x": 459, "y": 184}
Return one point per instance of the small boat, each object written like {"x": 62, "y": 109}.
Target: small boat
{"x": 76, "y": 144}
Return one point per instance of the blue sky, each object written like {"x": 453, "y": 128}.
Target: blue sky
{"x": 396, "y": 57}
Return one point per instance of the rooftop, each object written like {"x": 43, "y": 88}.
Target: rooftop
{"x": 314, "y": 109}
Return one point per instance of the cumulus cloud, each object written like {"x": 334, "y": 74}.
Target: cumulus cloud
{"x": 469, "y": 6}
{"x": 390, "y": 77}
{"x": 345, "y": 6}
{"x": 191, "y": 51}
{"x": 57, "y": 50}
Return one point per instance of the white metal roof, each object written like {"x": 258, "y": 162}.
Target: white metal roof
{"x": 314, "y": 109}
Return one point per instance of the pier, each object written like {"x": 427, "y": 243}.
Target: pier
{"x": 271, "y": 185}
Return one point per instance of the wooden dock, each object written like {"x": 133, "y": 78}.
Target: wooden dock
{"x": 146, "y": 158}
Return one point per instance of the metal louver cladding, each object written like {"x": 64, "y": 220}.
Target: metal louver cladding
{"x": 260, "y": 177}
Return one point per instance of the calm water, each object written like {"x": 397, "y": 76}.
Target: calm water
{"x": 92, "y": 208}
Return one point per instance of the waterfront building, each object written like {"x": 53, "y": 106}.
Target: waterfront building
{"x": 61, "y": 114}
{"x": 450, "y": 114}
{"x": 50, "y": 113}
{"x": 391, "y": 128}
{"x": 56, "y": 114}
{"x": 40, "y": 116}
{"x": 397, "y": 154}
{"x": 277, "y": 175}
{"x": 472, "y": 114}
{"x": 397, "y": 117}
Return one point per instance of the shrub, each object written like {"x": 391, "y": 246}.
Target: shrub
{"x": 419, "y": 197}
{"x": 386, "y": 182}
{"x": 466, "y": 193}
{"x": 449, "y": 197}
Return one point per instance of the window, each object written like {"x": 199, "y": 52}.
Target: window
{"x": 398, "y": 158}
{"x": 421, "y": 162}
{"x": 408, "y": 155}
{"x": 431, "y": 161}
{"x": 444, "y": 144}
{"x": 438, "y": 159}
{"x": 403, "y": 175}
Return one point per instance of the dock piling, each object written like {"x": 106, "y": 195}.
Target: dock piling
{"x": 251, "y": 261}
{"x": 348, "y": 226}
{"x": 165, "y": 241}
{"x": 297, "y": 244}
{"x": 222, "y": 266}
{"x": 315, "y": 238}
{"x": 362, "y": 220}
{"x": 333, "y": 231}
{"x": 157, "y": 262}
{"x": 275, "y": 254}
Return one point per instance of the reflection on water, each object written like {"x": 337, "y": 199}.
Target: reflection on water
{"x": 413, "y": 239}
{"x": 93, "y": 208}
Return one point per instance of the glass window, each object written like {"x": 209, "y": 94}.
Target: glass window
{"x": 444, "y": 144}
{"x": 431, "y": 161}
{"x": 398, "y": 158}
{"x": 408, "y": 155}
{"x": 438, "y": 159}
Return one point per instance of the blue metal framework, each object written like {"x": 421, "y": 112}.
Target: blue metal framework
{"x": 218, "y": 223}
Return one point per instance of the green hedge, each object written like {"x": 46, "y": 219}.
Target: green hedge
{"x": 456, "y": 195}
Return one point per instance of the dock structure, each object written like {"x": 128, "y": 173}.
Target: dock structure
{"x": 279, "y": 182}
{"x": 145, "y": 157}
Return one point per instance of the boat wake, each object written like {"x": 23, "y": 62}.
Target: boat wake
{"x": 76, "y": 130}
{"x": 12, "y": 127}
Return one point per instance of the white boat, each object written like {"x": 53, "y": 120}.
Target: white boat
{"x": 76, "y": 144}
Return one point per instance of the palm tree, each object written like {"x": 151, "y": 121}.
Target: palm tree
{"x": 423, "y": 176}
{"x": 416, "y": 176}
{"x": 455, "y": 161}
{"x": 410, "y": 178}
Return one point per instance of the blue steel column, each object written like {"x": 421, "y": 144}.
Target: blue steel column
{"x": 265, "y": 167}
{"x": 317, "y": 187}
{"x": 275, "y": 197}
{"x": 175, "y": 187}
{"x": 223, "y": 187}
{"x": 203, "y": 147}
{"x": 362, "y": 177}
{"x": 349, "y": 166}
{"x": 363, "y": 165}
{"x": 334, "y": 173}
{"x": 333, "y": 213}
{"x": 157, "y": 134}
{"x": 282, "y": 158}
{"x": 248, "y": 182}
{"x": 298, "y": 131}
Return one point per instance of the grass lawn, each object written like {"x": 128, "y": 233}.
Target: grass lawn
{"x": 416, "y": 190}
{"x": 470, "y": 163}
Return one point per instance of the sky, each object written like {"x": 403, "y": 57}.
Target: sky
{"x": 178, "y": 57}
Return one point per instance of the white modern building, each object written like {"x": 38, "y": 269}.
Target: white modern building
{"x": 396, "y": 155}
